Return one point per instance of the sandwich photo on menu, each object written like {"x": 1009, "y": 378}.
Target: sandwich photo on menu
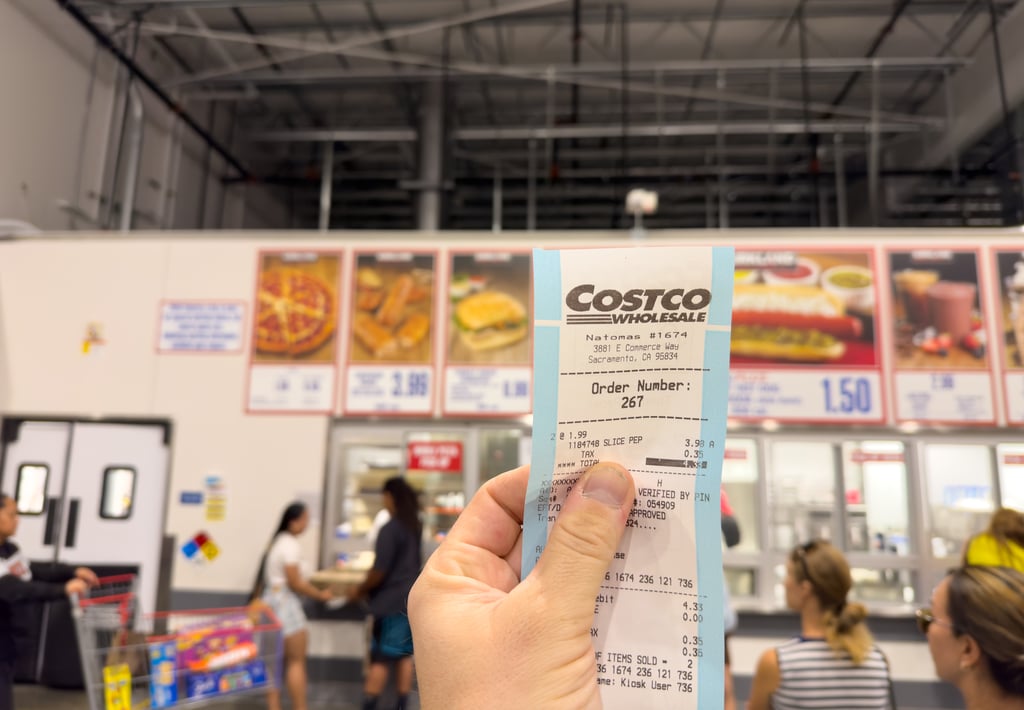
{"x": 489, "y": 296}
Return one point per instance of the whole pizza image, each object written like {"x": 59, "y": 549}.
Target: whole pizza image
{"x": 793, "y": 308}
{"x": 296, "y": 312}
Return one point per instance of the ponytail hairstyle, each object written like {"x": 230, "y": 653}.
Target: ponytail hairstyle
{"x": 292, "y": 513}
{"x": 407, "y": 504}
{"x": 828, "y": 573}
{"x": 987, "y": 604}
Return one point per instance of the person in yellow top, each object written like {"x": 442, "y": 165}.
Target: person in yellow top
{"x": 1001, "y": 545}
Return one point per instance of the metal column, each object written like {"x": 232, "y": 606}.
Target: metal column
{"x": 531, "y": 187}
{"x": 874, "y": 150}
{"x": 496, "y": 201}
{"x": 131, "y": 176}
{"x": 842, "y": 215}
{"x": 723, "y": 201}
{"x": 428, "y": 211}
{"x": 327, "y": 186}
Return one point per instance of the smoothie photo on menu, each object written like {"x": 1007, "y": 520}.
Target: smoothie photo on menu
{"x": 938, "y": 318}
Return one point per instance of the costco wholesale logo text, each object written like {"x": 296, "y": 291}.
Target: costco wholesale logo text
{"x": 637, "y": 305}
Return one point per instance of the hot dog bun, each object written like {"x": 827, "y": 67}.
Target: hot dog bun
{"x": 374, "y": 337}
{"x": 775, "y": 343}
{"x": 413, "y": 330}
{"x": 795, "y": 300}
{"x": 390, "y": 313}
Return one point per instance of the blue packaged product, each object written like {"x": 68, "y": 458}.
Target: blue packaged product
{"x": 163, "y": 679}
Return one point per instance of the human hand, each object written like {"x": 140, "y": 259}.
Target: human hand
{"x": 485, "y": 639}
{"x": 325, "y": 595}
{"x": 87, "y": 575}
{"x": 75, "y": 586}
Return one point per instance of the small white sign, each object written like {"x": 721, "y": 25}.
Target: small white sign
{"x": 944, "y": 397}
{"x": 287, "y": 388}
{"x": 1015, "y": 397}
{"x": 201, "y": 326}
{"x": 807, "y": 395}
{"x": 389, "y": 389}
{"x": 487, "y": 390}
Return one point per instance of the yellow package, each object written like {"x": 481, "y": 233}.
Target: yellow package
{"x": 117, "y": 687}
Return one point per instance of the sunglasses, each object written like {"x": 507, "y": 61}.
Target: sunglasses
{"x": 801, "y": 557}
{"x": 925, "y": 619}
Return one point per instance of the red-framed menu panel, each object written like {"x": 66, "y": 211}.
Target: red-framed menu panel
{"x": 942, "y": 366}
{"x": 293, "y": 359}
{"x": 804, "y": 336}
{"x": 391, "y": 355}
{"x": 1009, "y": 328}
{"x": 488, "y": 338}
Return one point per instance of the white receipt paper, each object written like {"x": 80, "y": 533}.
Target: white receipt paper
{"x": 631, "y": 364}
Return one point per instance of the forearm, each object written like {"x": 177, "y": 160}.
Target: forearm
{"x": 53, "y": 572}
{"x": 304, "y": 588}
{"x": 14, "y": 590}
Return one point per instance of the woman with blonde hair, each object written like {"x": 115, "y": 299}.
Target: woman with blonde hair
{"x": 834, "y": 662}
{"x": 975, "y": 631}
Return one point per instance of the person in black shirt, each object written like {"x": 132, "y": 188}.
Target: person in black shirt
{"x": 396, "y": 565}
{"x": 22, "y": 582}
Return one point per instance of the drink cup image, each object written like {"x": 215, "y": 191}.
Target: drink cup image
{"x": 912, "y": 288}
{"x": 950, "y": 307}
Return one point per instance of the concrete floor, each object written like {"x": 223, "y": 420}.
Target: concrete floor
{"x": 337, "y": 696}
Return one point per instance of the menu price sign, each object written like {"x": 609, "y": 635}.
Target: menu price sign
{"x": 655, "y": 406}
{"x": 293, "y": 362}
{"x": 822, "y": 395}
{"x": 942, "y": 365}
{"x": 803, "y": 340}
{"x": 1010, "y": 330}
{"x": 390, "y": 356}
{"x": 488, "y": 369}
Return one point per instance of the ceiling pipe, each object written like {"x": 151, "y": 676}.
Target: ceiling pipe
{"x": 142, "y": 76}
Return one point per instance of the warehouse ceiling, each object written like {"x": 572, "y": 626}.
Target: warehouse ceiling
{"x": 544, "y": 113}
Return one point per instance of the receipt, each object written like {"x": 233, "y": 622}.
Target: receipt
{"x": 631, "y": 364}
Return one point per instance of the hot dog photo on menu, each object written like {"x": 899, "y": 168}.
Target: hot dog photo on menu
{"x": 793, "y": 308}
{"x": 296, "y": 311}
{"x": 489, "y": 303}
{"x": 937, "y": 313}
{"x": 392, "y": 308}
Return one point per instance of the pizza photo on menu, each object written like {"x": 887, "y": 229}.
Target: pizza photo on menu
{"x": 296, "y": 311}
{"x": 392, "y": 308}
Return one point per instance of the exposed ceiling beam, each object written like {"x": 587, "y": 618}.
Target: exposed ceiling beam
{"x": 381, "y": 35}
{"x": 711, "y": 66}
{"x": 471, "y": 68}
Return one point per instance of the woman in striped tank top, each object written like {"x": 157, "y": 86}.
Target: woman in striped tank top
{"x": 834, "y": 663}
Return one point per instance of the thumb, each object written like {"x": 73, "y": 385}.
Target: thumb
{"x": 585, "y": 536}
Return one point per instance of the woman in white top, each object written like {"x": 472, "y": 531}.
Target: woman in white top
{"x": 834, "y": 663}
{"x": 280, "y": 584}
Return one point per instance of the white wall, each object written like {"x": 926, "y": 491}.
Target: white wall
{"x": 50, "y": 290}
{"x": 52, "y": 148}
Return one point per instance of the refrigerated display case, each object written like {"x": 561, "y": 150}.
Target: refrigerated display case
{"x": 445, "y": 462}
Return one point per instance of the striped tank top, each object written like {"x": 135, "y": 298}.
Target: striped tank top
{"x": 812, "y": 675}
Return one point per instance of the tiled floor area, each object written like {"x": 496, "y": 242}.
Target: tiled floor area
{"x": 337, "y": 696}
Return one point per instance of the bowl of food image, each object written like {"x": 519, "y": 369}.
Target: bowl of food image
{"x": 804, "y": 272}
{"x": 855, "y": 285}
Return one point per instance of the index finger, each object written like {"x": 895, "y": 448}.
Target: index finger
{"x": 493, "y": 520}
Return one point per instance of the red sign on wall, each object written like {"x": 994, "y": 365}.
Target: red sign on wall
{"x": 442, "y": 456}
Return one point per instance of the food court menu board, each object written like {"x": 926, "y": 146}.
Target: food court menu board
{"x": 391, "y": 334}
{"x": 804, "y": 345}
{"x": 293, "y": 366}
{"x": 1009, "y": 330}
{"x": 488, "y": 369}
{"x": 942, "y": 369}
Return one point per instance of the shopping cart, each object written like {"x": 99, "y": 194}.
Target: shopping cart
{"x": 171, "y": 658}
